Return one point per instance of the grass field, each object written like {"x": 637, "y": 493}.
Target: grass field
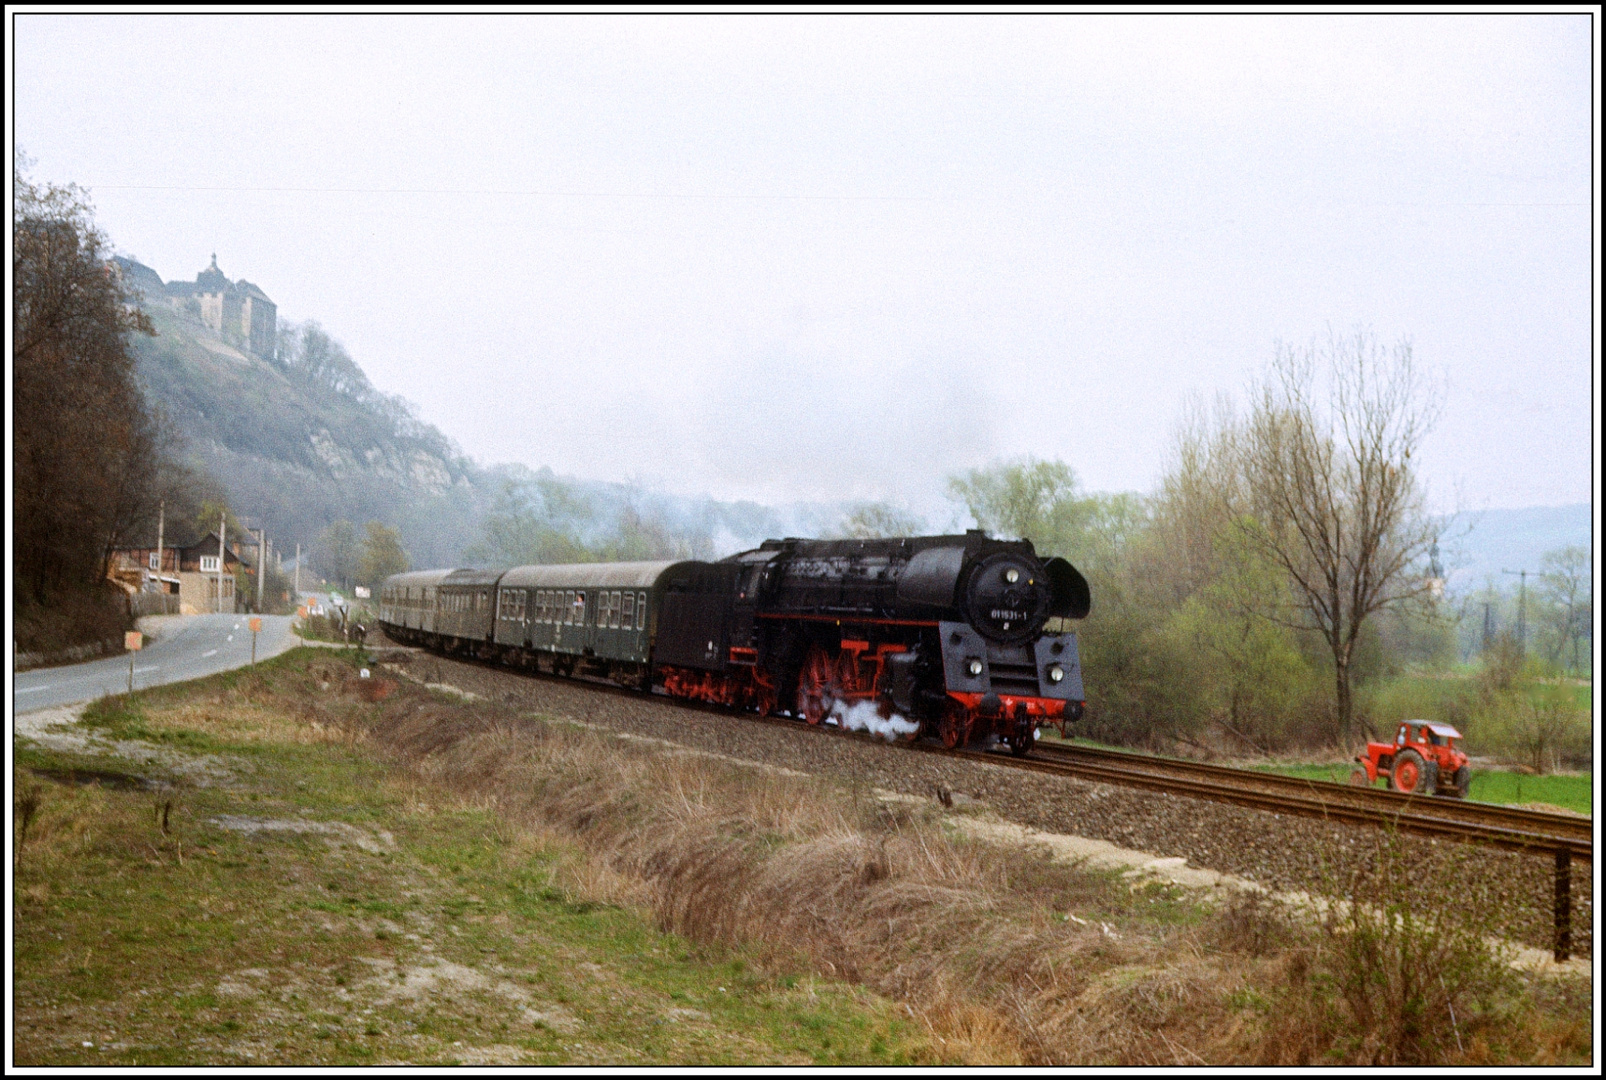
{"x": 1571, "y": 792}
{"x": 310, "y": 906}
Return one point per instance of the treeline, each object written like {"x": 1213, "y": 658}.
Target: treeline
{"x": 346, "y": 560}
{"x": 88, "y": 454}
{"x": 1280, "y": 588}
{"x": 538, "y": 518}
{"x": 95, "y": 464}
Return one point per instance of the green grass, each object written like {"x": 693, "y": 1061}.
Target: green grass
{"x": 1488, "y": 785}
{"x": 447, "y": 943}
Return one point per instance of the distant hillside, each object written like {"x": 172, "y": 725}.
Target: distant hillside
{"x": 300, "y": 438}
{"x": 1511, "y": 540}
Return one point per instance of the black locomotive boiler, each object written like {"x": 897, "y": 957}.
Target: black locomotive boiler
{"x": 946, "y": 636}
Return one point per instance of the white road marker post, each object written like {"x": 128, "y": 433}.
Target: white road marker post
{"x": 256, "y": 624}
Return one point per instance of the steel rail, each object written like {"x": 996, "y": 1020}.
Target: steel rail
{"x": 1293, "y": 803}
{"x": 1553, "y": 834}
{"x": 1519, "y": 819}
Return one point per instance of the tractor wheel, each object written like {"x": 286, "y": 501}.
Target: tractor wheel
{"x": 1463, "y": 782}
{"x": 1358, "y": 778}
{"x": 1406, "y": 775}
{"x": 1430, "y": 778}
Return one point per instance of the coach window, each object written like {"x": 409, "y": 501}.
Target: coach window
{"x": 641, "y": 611}
{"x": 614, "y": 605}
{"x": 568, "y": 608}
{"x": 630, "y": 610}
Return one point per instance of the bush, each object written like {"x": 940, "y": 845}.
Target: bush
{"x": 1537, "y": 725}
{"x": 1384, "y": 982}
{"x": 81, "y": 617}
{"x": 1383, "y": 704}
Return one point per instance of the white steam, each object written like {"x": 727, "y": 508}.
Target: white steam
{"x": 865, "y": 716}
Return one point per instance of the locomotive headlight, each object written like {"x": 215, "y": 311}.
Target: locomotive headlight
{"x": 974, "y": 667}
{"x": 1012, "y": 575}
{"x": 1056, "y": 673}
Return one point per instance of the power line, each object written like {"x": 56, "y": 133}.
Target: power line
{"x": 533, "y": 193}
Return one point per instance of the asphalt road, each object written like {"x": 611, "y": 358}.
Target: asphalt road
{"x": 184, "y": 647}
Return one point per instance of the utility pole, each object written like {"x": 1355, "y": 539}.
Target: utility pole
{"x": 161, "y": 521}
{"x": 222, "y": 557}
{"x": 1522, "y": 607}
{"x": 297, "y": 596}
{"x": 262, "y": 564}
{"x": 1488, "y": 625}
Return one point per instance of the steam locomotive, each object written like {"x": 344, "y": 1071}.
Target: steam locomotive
{"x": 940, "y": 636}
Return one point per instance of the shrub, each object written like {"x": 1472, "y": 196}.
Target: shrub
{"x": 1384, "y": 981}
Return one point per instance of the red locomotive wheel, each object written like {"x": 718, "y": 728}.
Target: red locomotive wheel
{"x": 954, "y": 727}
{"x": 816, "y": 686}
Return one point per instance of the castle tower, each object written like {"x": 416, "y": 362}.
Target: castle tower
{"x": 239, "y": 311}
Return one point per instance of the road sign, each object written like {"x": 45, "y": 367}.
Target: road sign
{"x": 133, "y": 641}
{"x": 302, "y": 611}
{"x": 256, "y": 625}
{"x": 363, "y": 592}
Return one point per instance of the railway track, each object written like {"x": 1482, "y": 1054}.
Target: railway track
{"x": 1534, "y": 831}
{"x": 1512, "y": 828}
{"x": 1506, "y": 826}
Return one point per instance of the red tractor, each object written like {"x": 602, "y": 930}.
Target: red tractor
{"x": 1421, "y": 759}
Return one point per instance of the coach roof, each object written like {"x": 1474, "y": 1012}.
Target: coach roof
{"x": 624, "y": 575}
{"x": 472, "y": 577}
{"x": 415, "y": 578}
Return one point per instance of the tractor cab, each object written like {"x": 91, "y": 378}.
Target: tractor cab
{"x": 1421, "y": 759}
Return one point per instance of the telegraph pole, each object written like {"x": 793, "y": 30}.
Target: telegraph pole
{"x": 161, "y": 521}
{"x": 262, "y": 564}
{"x": 1522, "y": 607}
{"x": 222, "y": 558}
{"x": 297, "y": 596}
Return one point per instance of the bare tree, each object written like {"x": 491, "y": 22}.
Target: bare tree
{"x": 85, "y": 444}
{"x": 1568, "y": 579}
{"x": 1330, "y": 490}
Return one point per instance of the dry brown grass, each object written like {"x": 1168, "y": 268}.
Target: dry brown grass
{"x": 972, "y": 937}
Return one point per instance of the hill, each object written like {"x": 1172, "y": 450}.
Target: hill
{"x": 298, "y": 437}
{"x": 301, "y": 438}
{"x": 1515, "y": 539}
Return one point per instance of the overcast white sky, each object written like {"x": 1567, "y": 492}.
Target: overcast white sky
{"x": 828, "y": 257}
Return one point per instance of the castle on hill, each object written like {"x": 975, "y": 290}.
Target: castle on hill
{"x": 240, "y": 312}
